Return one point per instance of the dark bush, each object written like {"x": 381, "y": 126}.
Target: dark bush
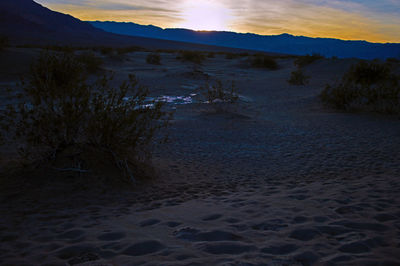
{"x": 231, "y": 56}
{"x": 369, "y": 86}
{"x": 153, "y": 58}
{"x": 211, "y": 55}
{"x": 307, "y": 60}
{"x": 298, "y": 78}
{"x": 3, "y": 42}
{"x": 90, "y": 61}
{"x": 393, "y": 60}
{"x": 264, "y": 61}
{"x": 191, "y": 56}
{"x": 106, "y": 50}
{"x": 217, "y": 93}
{"x": 62, "y": 111}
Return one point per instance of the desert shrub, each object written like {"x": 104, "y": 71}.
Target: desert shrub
{"x": 129, "y": 49}
{"x": 393, "y": 60}
{"x": 264, "y": 61}
{"x": 298, "y": 78}
{"x": 231, "y": 55}
{"x": 62, "y": 111}
{"x": 153, "y": 58}
{"x": 217, "y": 93}
{"x": 191, "y": 56}
{"x": 211, "y": 55}
{"x": 106, "y": 50}
{"x": 3, "y": 42}
{"x": 369, "y": 86}
{"x": 90, "y": 61}
{"x": 305, "y": 60}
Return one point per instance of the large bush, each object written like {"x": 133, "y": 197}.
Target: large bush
{"x": 62, "y": 111}
{"x": 369, "y": 86}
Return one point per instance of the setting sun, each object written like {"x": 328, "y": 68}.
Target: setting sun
{"x": 205, "y": 15}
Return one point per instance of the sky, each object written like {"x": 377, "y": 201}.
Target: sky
{"x": 371, "y": 20}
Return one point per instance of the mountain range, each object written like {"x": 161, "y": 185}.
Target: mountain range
{"x": 27, "y": 22}
{"x": 284, "y": 43}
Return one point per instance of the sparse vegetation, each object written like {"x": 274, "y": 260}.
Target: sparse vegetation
{"x": 191, "y": 56}
{"x": 130, "y": 49}
{"x": 367, "y": 86}
{"x": 305, "y": 60}
{"x": 154, "y": 59}
{"x": 62, "y": 111}
{"x": 264, "y": 61}
{"x": 211, "y": 55}
{"x": 298, "y": 78}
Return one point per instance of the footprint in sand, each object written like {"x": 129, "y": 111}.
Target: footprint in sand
{"x": 149, "y": 222}
{"x": 144, "y": 248}
{"x": 111, "y": 236}
{"x": 194, "y": 235}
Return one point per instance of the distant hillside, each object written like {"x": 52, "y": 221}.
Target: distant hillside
{"x": 285, "y": 43}
{"x": 27, "y": 22}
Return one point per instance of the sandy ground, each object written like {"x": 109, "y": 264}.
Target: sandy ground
{"x": 275, "y": 180}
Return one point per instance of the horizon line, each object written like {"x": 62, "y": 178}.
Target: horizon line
{"x": 237, "y": 32}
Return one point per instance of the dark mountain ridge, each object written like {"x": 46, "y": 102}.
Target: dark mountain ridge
{"x": 284, "y": 43}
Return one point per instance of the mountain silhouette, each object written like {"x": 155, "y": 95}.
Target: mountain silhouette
{"x": 27, "y": 22}
{"x": 284, "y": 43}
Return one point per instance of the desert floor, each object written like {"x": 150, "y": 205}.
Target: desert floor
{"x": 277, "y": 179}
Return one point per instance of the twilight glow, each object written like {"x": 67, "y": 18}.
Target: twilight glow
{"x": 371, "y": 20}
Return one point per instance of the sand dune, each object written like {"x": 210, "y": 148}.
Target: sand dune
{"x": 276, "y": 180}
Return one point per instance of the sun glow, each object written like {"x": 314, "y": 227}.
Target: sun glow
{"x": 205, "y": 15}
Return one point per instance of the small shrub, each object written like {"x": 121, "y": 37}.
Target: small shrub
{"x": 106, "y": 50}
{"x": 61, "y": 111}
{"x": 90, "y": 61}
{"x": 191, "y": 56}
{"x": 153, "y": 58}
{"x": 369, "y": 86}
{"x": 216, "y": 93}
{"x": 307, "y": 60}
{"x": 264, "y": 61}
{"x": 231, "y": 56}
{"x": 211, "y": 55}
{"x": 3, "y": 42}
{"x": 298, "y": 78}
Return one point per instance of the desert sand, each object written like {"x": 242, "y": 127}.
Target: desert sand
{"x": 277, "y": 179}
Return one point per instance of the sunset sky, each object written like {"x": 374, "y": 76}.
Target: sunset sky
{"x": 371, "y": 20}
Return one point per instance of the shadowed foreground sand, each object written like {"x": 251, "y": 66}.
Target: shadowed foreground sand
{"x": 277, "y": 180}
